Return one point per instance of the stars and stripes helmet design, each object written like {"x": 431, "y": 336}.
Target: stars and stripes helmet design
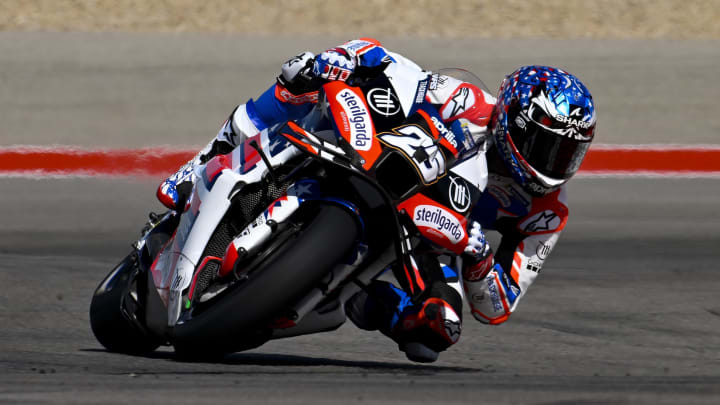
{"x": 543, "y": 124}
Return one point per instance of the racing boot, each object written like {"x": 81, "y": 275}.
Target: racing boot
{"x": 174, "y": 191}
{"x": 422, "y": 330}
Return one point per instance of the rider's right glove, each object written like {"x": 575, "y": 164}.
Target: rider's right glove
{"x": 356, "y": 60}
{"x": 478, "y": 258}
{"x": 334, "y": 64}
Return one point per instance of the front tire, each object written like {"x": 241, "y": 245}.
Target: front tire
{"x": 237, "y": 321}
{"x": 115, "y": 308}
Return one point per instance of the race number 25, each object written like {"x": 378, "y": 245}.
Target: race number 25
{"x": 420, "y": 148}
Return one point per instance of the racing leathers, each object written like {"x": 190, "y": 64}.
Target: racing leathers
{"x": 529, "y": 225}
{"x": 427, "y": 306}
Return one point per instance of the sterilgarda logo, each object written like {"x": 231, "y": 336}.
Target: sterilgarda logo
{"x": 437, "y": 218}
{"x": 361, "y": 136}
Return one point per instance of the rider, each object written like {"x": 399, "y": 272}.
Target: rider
{"x": 535, "y": 133}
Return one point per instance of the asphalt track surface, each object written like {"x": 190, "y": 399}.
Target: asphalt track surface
{"x": 626, "y": 310}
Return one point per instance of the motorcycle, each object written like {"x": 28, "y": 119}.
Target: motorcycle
{"x": 277, "y": 235}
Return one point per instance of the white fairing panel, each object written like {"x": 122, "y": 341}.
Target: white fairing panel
{"x": 178, "y": 266}
{"x": 474, "y": 169}
{"x": 405, "y": 80}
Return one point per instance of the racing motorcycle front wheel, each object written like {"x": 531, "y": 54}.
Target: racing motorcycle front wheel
{"x": 320, "y": 237}
{"x": 116, "y": 310}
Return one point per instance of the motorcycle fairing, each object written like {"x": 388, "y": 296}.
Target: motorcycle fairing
{"x": 259, "y": 230}
{"x": 352, "y": 120}
{"x": 385, "y": 101}
{"x": 410, "y": 84}
{"x": 436, "y": 222}
{"x": 174, "y": 269}
{"x": 317, "y": 146}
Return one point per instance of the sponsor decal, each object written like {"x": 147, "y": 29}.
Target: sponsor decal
{"x": 437, "y": 218}
{"x": 383, "y": 101}
{"x": 447, "y": 134}
{"x": 356, "y": 45}
{"x": 537, "y": 188}
{"x": 494, "y": 295}
{"x": 285, "y": 95}
{"x": 421, "y": 90}
{"x": 256, "y": 223}
{"x": 543, "y": 250}
{"x": 574, "y": 125}
{"x": 295, "y": 59}
{"x": 500, "y": 195}
{"x": 437, "y": 82}
{"x": 358, "y": 119}
{"x": 469, "y": 141}
{"x": 459, "y": 194}
{"x": 534, "y": 266}
{"x": 574, "y": 122}
{"x": 434, "y": 81}
{"x": 544, "y": 221}
{"x": 459, "y": 101}
{"x": 177, "y": 282}
{"x": 452, "y": 329}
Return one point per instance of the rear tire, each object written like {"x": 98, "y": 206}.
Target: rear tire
{"x": 114, "y": 310}
{"x": 237, "y": 322}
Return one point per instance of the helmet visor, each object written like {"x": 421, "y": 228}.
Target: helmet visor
{"x": 553, "y": 155}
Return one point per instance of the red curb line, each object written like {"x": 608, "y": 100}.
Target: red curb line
{"x": 159, "y": 162}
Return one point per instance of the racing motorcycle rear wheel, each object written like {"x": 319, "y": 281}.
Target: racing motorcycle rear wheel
{"x": 322, "y": 237}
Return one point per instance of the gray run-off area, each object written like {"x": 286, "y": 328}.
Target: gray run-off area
{"x": 134, "y": 90}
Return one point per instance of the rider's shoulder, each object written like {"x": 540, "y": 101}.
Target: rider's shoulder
{"x": 547, "y": 214}
{"x": 460, "y": 99}
{"x": 555, "y": 202}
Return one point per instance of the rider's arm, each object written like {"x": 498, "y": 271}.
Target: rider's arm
{"x": 495, "y": 284}
{"x": 296, "y": 89}
{"x": 291, "y": 97}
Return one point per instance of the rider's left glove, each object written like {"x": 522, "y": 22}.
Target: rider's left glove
{"x": 477, "y": 243}
{"x": 298, "y": 68}
{"x": 296, "y": 74}
{"x": 478, "y": 258}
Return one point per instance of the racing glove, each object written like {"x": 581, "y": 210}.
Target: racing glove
{"x": 334, "y": 64}
{"x": 297, "y": 74}
{"x": 478, "y": 258}
{"x": 359, "y": 59}
{"x": 490, "y": 290}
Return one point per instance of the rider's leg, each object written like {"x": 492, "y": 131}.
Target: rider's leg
{"x": 423, "y": 324}
{"x": 173, "y": 190}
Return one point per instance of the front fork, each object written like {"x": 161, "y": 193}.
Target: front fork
{"x": 254, "y": 237}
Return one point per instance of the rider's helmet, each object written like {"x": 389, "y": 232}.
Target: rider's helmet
{"x": 542, "y": 125}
